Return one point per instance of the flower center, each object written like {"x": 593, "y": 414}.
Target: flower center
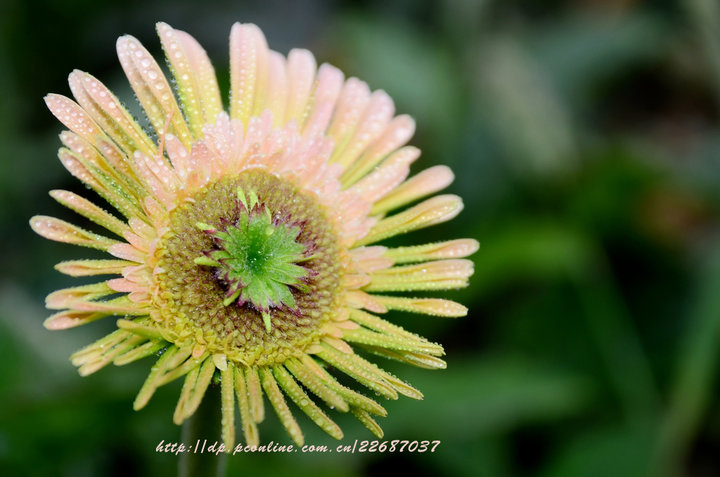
{"x": 228, "y": 257}
{"x": 257, "y": 258}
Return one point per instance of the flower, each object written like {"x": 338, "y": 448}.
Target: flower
{"x": 245, "y": 253}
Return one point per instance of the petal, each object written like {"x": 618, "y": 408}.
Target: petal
{"x": 432, "y": 251}
{"x": 358, "y": 369}
{"x": 70, "y": 319}
{"x": 423, "y": 184}
{"x": 277, "y": 88}
{"x": 84, "y": 268}
{"x": 315, "y": 384}
{"x": 400, "y": 343}
{"x": 301, "y": 75}
{"x": 438, "y": 275}
{"x": 421, "y": 360}
{"x": 304, "y": 402}
{"x": 142, "y": 351}
{"x": 150, "y": 385}
{"x": 360, "y": 299}
{"x": 66, "y": 297}
{"x": 196, "y": 383}
{"x": 281, "y": 408}
{"x": 152, "y": 89}
{"x": 375, "y": 118}
{"x": 61, "y": 231}
{"x": 227, "y": 387}
{"x": 109, "y": 113}
{"x": 108, "y": 165}
{"x": 95, "y": 175}
{"x": 368, "y": 422}
{"x": 397, "y": 133}
{"x": 427, "y": 306}
{"x": 89, "y": 210}
{"x": 350, "y": 106}
{"x": 194, "y": 76}
{"x": 74, "y": 117}
{"x": 248, "y": 69}
{"x": 370, "y": 259}
{"x": 430, "y": 212}
{"x": 241, "y": 393}
{"x": 328, "y": 85}
{"x": 257, "y": 408}
{"x": 127, "y": 252}
{"x": 385, "y": 178}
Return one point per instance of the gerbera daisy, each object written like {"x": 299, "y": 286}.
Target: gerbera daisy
{"x": 246, "y": 251}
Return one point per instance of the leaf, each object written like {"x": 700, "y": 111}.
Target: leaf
{"x": 488, "y": 396}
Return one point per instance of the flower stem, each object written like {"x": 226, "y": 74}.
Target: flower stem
{"x": 697, "y": 364}
{"x": 613, "y": 329}
{"x": 203, "y": 428}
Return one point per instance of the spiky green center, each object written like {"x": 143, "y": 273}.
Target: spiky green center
{"x": 190, "y": 300}
{"x": 257, "y": 258}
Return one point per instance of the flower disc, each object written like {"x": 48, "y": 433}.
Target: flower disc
{"x": 190, "y": 297}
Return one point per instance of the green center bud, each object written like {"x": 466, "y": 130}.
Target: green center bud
{"x": 257, "y": 258}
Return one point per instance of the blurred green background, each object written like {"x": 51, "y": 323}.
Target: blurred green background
{"x": 585, "y": 136}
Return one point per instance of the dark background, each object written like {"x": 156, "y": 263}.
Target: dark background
{"x": 586, "y": 141}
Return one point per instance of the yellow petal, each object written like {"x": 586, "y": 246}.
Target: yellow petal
{"x": 89, "y": 210}
{"x": 438, "y": 275}
{"x": 61, "y": 231}
{"x": 152, "y": 89}
{"x": 427, "y": 306}
{"x": 85, "y": 268}
{"x": 433, "y": 251}
{"x": 281, "y": 409}
{"x": 109, "y": 113}
{"x": 430, "y": 212}
{"x": 194, "y": 76}
{"x": 421, "y": 185}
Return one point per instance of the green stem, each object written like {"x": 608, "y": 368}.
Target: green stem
{"x": 203, "y": 427}
{"x": 697, "y": 361}
{"x": 613, "y": 328}
{"x": 693, "y": 383}
{"x": 704, "y": 17}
